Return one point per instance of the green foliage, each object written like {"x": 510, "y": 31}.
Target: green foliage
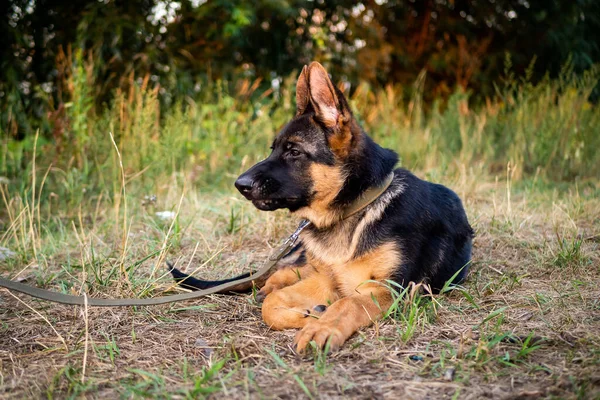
{"x": 178, "y": 47}
{"x": 548, "y": 130}
{"x": 108, "y": 351}
{"x": 282, "y": 364}
{"x": 203, "y": 384}
{"x": 67, "y": 383}
{"x": 411, "y": 308}
{"x": 569, "y": 253}
{"x": 322, "y": 366}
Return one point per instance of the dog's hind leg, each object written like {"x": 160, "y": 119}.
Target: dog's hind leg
{"x": 294, "y": 305}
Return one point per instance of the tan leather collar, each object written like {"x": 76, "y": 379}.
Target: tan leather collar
{"x": 368, "y": 196}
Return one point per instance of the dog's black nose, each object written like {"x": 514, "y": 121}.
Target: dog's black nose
{"x": 244, "y": 184}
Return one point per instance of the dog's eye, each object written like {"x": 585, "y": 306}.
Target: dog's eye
{"x": 294, "y": 153}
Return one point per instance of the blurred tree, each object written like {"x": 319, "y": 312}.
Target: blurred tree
{"x": 180, "y": 45}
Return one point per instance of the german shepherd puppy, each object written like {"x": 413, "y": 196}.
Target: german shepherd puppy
{"x": 320, "y": 165}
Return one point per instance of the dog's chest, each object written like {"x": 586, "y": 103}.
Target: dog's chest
{"x": 332, "y": 247}
{"x": 334, "y": 256}
{"x": 334, "y": 253}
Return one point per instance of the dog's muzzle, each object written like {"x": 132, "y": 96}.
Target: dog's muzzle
{"x": 244, "y": 184}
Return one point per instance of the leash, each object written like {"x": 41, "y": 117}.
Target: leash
{"x": 57, "y": 297}
{"x": 367, "y": 198}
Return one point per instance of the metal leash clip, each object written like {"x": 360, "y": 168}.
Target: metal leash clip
{"x": 289, "y": 242}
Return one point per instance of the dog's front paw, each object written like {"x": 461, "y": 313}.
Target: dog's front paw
{"x": 263, "y": 293}
{"x": 267, "y": 290}
{"x": 283, "y": 278}
{"x": 321, "y": 333}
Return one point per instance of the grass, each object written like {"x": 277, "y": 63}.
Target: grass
{"x": 521, "y": 324}
{"x": 101, "y": 205}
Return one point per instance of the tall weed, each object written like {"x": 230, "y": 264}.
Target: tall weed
{"x": 549, "y": 129}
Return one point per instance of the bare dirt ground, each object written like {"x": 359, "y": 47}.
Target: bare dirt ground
{"x": 526, "y": 325}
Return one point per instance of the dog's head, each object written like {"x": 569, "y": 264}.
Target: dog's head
{"x": 321, "y": 159}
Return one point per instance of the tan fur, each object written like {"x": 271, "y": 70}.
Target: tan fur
{"x": 352, "y": 276}
{"x": 284, "y": 277}
{"x": 377, "y": 265}
{"x": 292, "y": 306}
{"x": 322, "y": 95}
{"x": 302, "y": 93}
{"x": 333, "y": 247}
{"x": 348, "y": 286}
{"x": 327, "y": 183}
{"x": 340, "y": 244}
{"x": 340, "y": 141}
{"x": 343, "y": 318}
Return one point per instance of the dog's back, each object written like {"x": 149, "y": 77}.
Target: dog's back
{"x": 431, "y": 226}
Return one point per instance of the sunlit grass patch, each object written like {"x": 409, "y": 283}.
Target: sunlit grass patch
{"x": 101, "y": 213}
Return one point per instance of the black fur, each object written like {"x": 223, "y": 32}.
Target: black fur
{"x": 430, "y": 225}
{"x": 426, "y": 220}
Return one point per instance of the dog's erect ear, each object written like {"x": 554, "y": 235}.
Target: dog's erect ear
{"x": 331, "y": 110}
{"x": 302, "y": 92}
{"x": 323, "y": 96}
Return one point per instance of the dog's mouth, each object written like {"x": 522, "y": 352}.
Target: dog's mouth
{"x": 273, "y": 204}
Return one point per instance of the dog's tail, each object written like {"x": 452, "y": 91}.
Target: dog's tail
{"x": 295, "y": 257}
{"x": 189, "y": 282}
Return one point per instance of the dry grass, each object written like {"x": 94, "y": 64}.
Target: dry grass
{"x": 526, "y": 324}
{"x": 81, "y": 218}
